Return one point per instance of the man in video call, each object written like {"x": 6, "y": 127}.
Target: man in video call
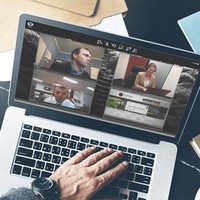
{"x": 60, "y": 97}
{"x": 80, "y": 59}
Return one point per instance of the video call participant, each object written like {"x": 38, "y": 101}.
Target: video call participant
{"x": 78, "y": 178}
{"x": 80, "y": 59}
{"x": 60, "y": 97}
{"x": 146, "y": 79}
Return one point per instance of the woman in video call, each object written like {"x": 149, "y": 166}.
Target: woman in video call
{"x": 146, "y": 79}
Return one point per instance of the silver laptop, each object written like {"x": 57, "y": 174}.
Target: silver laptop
{"x": 37, "y": 137}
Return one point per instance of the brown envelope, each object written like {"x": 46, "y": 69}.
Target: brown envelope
{"x": 82, "y": 7}
{"x": 11, "y": 9}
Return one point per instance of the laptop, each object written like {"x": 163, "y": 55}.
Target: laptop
{"x": 37, "y": 137}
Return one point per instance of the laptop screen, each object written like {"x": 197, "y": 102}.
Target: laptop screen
{"x": 93, "y": 74}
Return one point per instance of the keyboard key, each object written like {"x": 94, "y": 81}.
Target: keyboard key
{"x": 104, "y": 144}
{"x": 56, "y": 167}
{"x": 26, "y": 133}
{"x": 17, "y": 169}
{"x": 25, "y": 152}
{"x": 94, "y": 142}
{"x": 40, "y": 165}
{"x": 27, "y": 126}
{"x": 62, "y": 142}
{"x": 35, "y": 173}
{"x": 35, "y": 136}
{"x": 49, "y": 167}
{"x": 73, "y": 153}
{"x": 124, "y": 149}
{"x": 148, "y": 171}
{"x": 56, "y": 133}
{"x": 44, "y": 138}
{"x": 127, "y": 157}
{"x": 147, "y": 161}
{"x": 133, "y": 195}
{"x": 151, "y": 155}
{"x": 71, "y": 144}
{"x": 85, "y": 140}
{"x": 136, "y": 159}
{"x": 37, "y": 145}
{"x": 47, "y": 157}
{"x": 113, "y": 146}
{"x": 56, "y": 150}
{"x": 47, "y": 131}
{"x": 141, "y": 153}
{"x": 26, "y": 143}
{"x": 25, "y": 161}
{"x": 46, "y": 147}
{"x": 65, "y": 152}
{"x": 38, "y": 155}
{"x": 138, "y": 187}
{"x": 56, "y": 159}
{"x": 142, "y": 179}
{"x": 74, "y": 137}
{"x": 81, "y": 146}
{"x": 53, "y": 140}
{"x": 138, "y": 169}
{"x": 64, "y": 159}
{"x": 132, "y": 151}
{"x": 38, "y": 129}
{"x": 26, "y": 171}
{"x": 66, "y": 135}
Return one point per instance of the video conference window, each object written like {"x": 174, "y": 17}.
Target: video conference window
{"x": 62, "y": 90}
{"x": 116, "y": 86}
{"x": 65, "y": 56}
{"x": 154, "y": 99}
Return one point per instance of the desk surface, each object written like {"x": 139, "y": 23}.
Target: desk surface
{"x": 156, "y": 20}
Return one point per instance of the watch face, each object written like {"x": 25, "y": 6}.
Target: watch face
{"x": 43, "y": 183}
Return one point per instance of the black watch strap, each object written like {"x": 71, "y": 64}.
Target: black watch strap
{"x": 45, "y": 189}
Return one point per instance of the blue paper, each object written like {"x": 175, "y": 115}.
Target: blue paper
{"x": 190, "y": 26}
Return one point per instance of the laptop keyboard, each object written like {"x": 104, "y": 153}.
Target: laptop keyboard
{"x": 41, "y": 151}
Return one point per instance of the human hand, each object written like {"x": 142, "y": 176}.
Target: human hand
{"x": 144, "y": 89}
{"x": 87, "y": 172}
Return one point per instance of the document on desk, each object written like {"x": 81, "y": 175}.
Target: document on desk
{"x": 6, "y": 60}
{"x": 190, "y": 26}
{"x": 117, "y": 23}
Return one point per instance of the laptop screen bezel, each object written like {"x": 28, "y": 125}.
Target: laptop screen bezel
{"x": 90, "y": 122}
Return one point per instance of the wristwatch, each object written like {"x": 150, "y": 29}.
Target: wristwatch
{"x": 45, "y": 189}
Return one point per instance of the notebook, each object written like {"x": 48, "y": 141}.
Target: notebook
{"x": 191, "y": 30}
{"x": 37, "y": 136}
